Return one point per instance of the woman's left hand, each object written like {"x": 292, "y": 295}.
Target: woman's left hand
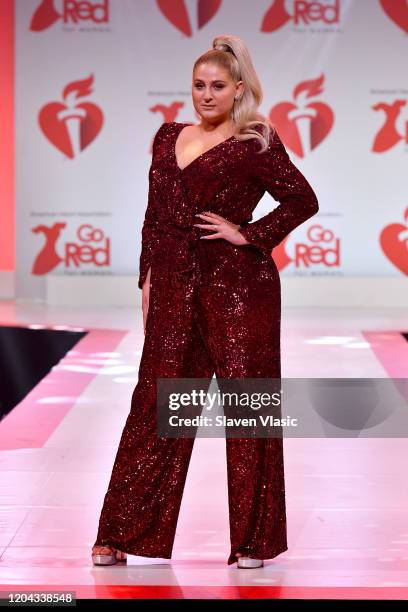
{"x": 223, "y": 228}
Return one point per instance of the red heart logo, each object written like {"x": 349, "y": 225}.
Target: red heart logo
{"x": 55, "y": 129}
{"x": 68, "y": 126}
{"x": 397, "y": 10}
{"x": 285, "y": 116}
{"x": 394, "y": 243}
{"x": 320, "y": 125}
{"x": 176, "y": 13}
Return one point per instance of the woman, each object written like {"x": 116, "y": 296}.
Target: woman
{"x": 211, "y": 303}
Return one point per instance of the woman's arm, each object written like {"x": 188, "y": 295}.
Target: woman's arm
{"x": 276, "y": 173}
{"x": 150, "y": 230}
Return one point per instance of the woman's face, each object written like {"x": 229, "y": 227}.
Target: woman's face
{"x": 214, "y": 92}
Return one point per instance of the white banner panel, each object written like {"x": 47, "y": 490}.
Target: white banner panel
{"x": 95, "y": 79}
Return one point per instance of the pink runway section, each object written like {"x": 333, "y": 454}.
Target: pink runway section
{"x": 346, "y": 503}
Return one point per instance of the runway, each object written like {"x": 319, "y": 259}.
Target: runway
{"x": 346, "y": 499}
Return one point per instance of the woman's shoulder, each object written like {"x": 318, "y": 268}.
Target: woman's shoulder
{"x": 274, "y": 140}
{"x": 168, "y": 128}
{"x": 172, "y": 125}
{"x": 163, "y": 129}
{"x": 162, "y": 134}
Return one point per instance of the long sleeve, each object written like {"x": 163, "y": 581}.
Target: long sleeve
{"x": 150, "y": 229}
{"x": 276, "y": 173}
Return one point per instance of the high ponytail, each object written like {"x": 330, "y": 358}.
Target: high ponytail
{"x": 231, "y": 53}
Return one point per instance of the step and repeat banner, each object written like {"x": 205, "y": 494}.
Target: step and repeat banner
{"x": 96, "y": 78}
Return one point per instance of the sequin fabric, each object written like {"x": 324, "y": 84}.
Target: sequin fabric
{"x": 213, "y": 308}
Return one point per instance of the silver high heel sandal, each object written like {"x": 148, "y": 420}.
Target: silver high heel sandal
{"x": 248, "y": 562}
{"x": 108, "y": 558}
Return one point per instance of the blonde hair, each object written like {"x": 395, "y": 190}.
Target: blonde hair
{"x": 231, "y": 53}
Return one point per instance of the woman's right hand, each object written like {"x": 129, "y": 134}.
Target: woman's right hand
{"x": 145, "y": 298}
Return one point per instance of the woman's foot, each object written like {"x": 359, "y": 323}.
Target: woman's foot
{"x": 107, "y": 555}
{"x": 248, "y": 562}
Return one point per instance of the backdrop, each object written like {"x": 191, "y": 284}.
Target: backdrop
{"x": 95, "y": 80}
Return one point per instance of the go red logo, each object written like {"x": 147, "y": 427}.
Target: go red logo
{"x": 71, "y": 125}
{"x": 304, "y": 123}
{"x": 71, "y": 12}
{"x": 322, "y": 248}
{"x": 394, "y": 243}
{"x": 92, "y": 246}
{"x": 305, "y": 12}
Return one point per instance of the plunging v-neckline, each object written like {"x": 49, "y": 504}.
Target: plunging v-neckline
{"x": 201, "y": 154}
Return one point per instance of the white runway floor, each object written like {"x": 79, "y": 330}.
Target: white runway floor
{"x": 347, "y": 499}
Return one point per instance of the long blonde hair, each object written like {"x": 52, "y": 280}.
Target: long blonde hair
{"x": 231, "y": 53}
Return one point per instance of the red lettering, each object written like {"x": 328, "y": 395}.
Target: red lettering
{"x": 70, "y": 9}
{"x": 335, "y": 253}
{"x": 315, "y": 11}
{"x": 316, "y": 233}
{"x": 307, "y": 255}
{"x": 84, "y": 10}
{"x": 101, "y": 12}
{"x": 315, "y": 254}
{"x": 334, "y": 11}
{"x": 75, "y": 10}
{"x": 306, "y": 12}
{"x": 301, "y": 11}
{"x": 85, "y": 253}
{"x": 87, "y": 233}
{"x": 301, "y": 254}
{"x": 72, "y": 254}
{"x": 104, "y": 254}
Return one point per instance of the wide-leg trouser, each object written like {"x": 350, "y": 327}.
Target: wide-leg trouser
{"x": 194, "y": 333}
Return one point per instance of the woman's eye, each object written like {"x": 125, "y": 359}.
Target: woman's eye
{"x": 198, "y": 86}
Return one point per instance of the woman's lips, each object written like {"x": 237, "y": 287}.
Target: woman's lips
{"x": 205, "y": 106}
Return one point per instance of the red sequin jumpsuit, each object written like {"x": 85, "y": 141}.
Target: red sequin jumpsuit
{"x": 213, "y": 308}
